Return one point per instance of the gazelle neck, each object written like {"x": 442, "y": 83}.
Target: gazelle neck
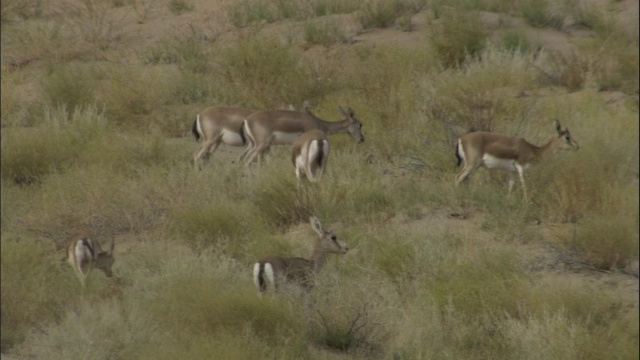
{"x": 318, "y": 259}
{"x": 541, "y": 152}
{"x": 335, "y": 127}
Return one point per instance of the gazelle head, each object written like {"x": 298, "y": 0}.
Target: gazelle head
{"x": 355, "y": 126}
{"x": 104, "y": 260}
{"x": 567, "y": 141}
{"x": 328, "y": 241}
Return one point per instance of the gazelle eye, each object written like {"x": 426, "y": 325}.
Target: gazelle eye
{"x": 334, "y": 238}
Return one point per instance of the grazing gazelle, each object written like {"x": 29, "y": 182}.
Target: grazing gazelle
{"x": 277, "y": 127}
{"x": 84, "y": 254}
{"x": 217, "y": 125}
{"x": 275, "y": 272}
{"x": 495, "y": 151}
{"x": 309, "y": 154}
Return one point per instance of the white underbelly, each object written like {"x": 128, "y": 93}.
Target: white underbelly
{"x": 280, "y": 137}
{"x": 231, "y": 138}
{"x": 492, "y": 162}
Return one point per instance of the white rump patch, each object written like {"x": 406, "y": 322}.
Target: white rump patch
{"x": 268, "y": 276}
{"x": 461, "y": 153}
{"x": 256, "y": 274}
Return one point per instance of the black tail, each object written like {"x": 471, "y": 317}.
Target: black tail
{"x": 458, "y": 155}
{"x": 194, "y": 129}
{"x": 242, "y": 135}
{"x": 261, "y": 282}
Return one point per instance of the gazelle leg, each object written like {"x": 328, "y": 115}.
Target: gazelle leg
{"x": 466, "y": 172}
{"x": 512, "y": 180}
{"x": 524, "y": 186}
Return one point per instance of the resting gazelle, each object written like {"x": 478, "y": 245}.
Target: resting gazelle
{"x": 309, "y": 154}
{"x": 84, "y": 254}
{"x": 275, "y": 272}
{"x": 277, "y": 127}
{"x": 495, "y": 151}
{"x": 217, "y": 125}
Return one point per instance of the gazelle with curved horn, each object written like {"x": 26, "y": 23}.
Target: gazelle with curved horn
{"x": 217, "y": 125}
{"x": 276, "y": 127}
{"x": 274, "y": 272}
{"x": 84, "y": 254}
{"x": 309, "y": 155}
{"x": 495, "y": 151}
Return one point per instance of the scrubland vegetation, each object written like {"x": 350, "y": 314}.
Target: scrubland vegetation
{"x": 98, "y": 99}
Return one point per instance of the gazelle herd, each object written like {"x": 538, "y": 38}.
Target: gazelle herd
{"x": 308, "y": 135}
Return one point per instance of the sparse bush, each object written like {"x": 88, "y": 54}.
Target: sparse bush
{"x": 34, "y": 292}
{"x": 456, "y": 36}
{"x": 516, "y": 40}
{"x": 275, "y": 73}
{"x": 93, "y": 21}
{"x": 538, "y": 13}
{"x": 71, "y": 86}
{"x": 325, "y": 33}
{"x": 383, "y": 13}
{"x": 180, "y": 6}
{"x": 29, "y": 154}
{"x": 331, "y": 7}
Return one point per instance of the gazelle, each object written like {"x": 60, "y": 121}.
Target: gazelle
{"x": 495, "y": 151}
{"x": 217, "y": 125}
{"x": 84, "y": 254}
{"x": 276, "y": 127}
{"x": 275, "y": 272}
{"x": 309, "y": 155}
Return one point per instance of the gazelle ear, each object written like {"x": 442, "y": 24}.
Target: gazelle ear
{"x": 558, "y": 127}
{"x": 344, "y": 113}
{"x": 315, "y": 224}
{"x": 351, "y": 112}
{"x": 306, "y": 106}
{"x": 113, "y": 245}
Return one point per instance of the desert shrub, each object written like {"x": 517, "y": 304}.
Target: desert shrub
{"x": 276, "y": 74}
{"x": 614, "y": 64}
{"x": 325, "y": 33}
{"x": 131, "y": 95}
{"x": 500, "y": 6}
{"x": 71, "y": 85}
{"x": 206, "y": 282}
{"x": 487, "y": 281}
{"x": 331, "y": 7}
{"x": 10, "y": 104}
{"x": 97, "y": 330}
{"x": 456, "y": 36}
{"x": 210, "y": 222}
{"x": 384, "y": 13}
{"x": 180, "y": 6}
{"x": 22, "y": 9}
{"x": 517, "y": 40}
{"x": 28, "y": 154}
{"x": 34, "y": 290}
{"x": 539, "y": 13}
{"x": 246, "y": 12}
{"x": 605, "y": 242}
{"x": 93, "y": 21}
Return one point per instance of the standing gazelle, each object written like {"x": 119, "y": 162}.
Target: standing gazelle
{"x": 277, "y": 127}
{"x": 217, "y": 125}
{"x": 84, "y": 254}
{"x": 275, "y": 272}
{"x": 495, "y": 151}
{"x": 309, "y": 154}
